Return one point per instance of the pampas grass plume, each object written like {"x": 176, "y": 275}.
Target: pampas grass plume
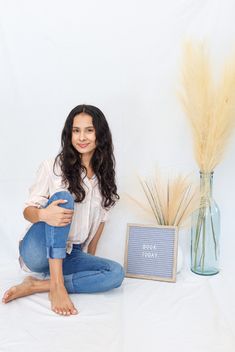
{"x": 209, "y": 107}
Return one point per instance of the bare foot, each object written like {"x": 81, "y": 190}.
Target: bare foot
{"x": 60, "y": 300}
{"x": 26, "y": 288}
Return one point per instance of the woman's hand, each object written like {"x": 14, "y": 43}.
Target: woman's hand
{"x": 56, "y": 216}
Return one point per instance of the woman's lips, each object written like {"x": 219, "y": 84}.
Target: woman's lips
{"x": 83, "y": 145}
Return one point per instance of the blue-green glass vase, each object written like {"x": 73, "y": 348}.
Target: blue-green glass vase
{"x": 205, "y": 230}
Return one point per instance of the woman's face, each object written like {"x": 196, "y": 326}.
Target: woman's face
{"x": 83, "y": 134}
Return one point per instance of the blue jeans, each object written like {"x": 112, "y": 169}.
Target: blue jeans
{"x": 83, "y": 272}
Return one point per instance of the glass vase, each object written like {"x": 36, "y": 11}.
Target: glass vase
{"x": 205, "y": 231}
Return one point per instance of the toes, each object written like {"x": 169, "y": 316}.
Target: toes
{"x": 54, "y": 309}
{"x": 61, "y": 312}
{"x": 7, "y": 296}
{"x": 73, "y": 311}
{"x": 66, "y": 312}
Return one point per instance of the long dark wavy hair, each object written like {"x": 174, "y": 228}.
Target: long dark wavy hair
{"x": 102, "y": 162}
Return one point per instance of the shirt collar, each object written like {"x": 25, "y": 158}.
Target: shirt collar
{"x": 89, "y": 182}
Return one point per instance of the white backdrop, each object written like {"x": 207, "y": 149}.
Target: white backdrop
{"x": 124, "y": 57}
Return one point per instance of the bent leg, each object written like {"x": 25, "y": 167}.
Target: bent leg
{"x": 43, "y": 241}
{"x": 85, "y": 273}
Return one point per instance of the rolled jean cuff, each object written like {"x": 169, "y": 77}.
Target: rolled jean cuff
{"x": 56, "y": 253}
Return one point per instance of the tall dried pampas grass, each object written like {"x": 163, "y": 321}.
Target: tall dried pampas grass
{"x": 172, "y": 199}
{"x": 209, "y": 107}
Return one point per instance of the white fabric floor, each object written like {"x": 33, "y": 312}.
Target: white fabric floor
{"x": 195, "y": 314}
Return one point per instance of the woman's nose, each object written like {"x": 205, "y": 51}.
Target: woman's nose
{"x": 82, "y": 136}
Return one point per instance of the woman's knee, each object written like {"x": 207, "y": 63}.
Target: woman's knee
{"x": 64, "y": 195}
{"x": 119, "y": 273}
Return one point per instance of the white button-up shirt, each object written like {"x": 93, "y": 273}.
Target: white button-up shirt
{"x": 87, "y": 215}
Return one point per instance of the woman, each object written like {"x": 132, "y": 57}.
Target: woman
{"x": 67, "y": 209}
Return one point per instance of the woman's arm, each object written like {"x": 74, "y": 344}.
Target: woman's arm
{"x": 93, "y": 244}
{"x": 32, "y": 214}
{"x": 53, "y": 215}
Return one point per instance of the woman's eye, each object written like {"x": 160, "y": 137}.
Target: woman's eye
{"x": 90, "y": 130}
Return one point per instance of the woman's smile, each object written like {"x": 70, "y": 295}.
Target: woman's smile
{"x": 83, "y": 145}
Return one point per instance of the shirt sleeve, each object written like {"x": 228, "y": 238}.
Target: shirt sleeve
{"x": 39, "y": 191}
{"x": 105, "y": 215}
